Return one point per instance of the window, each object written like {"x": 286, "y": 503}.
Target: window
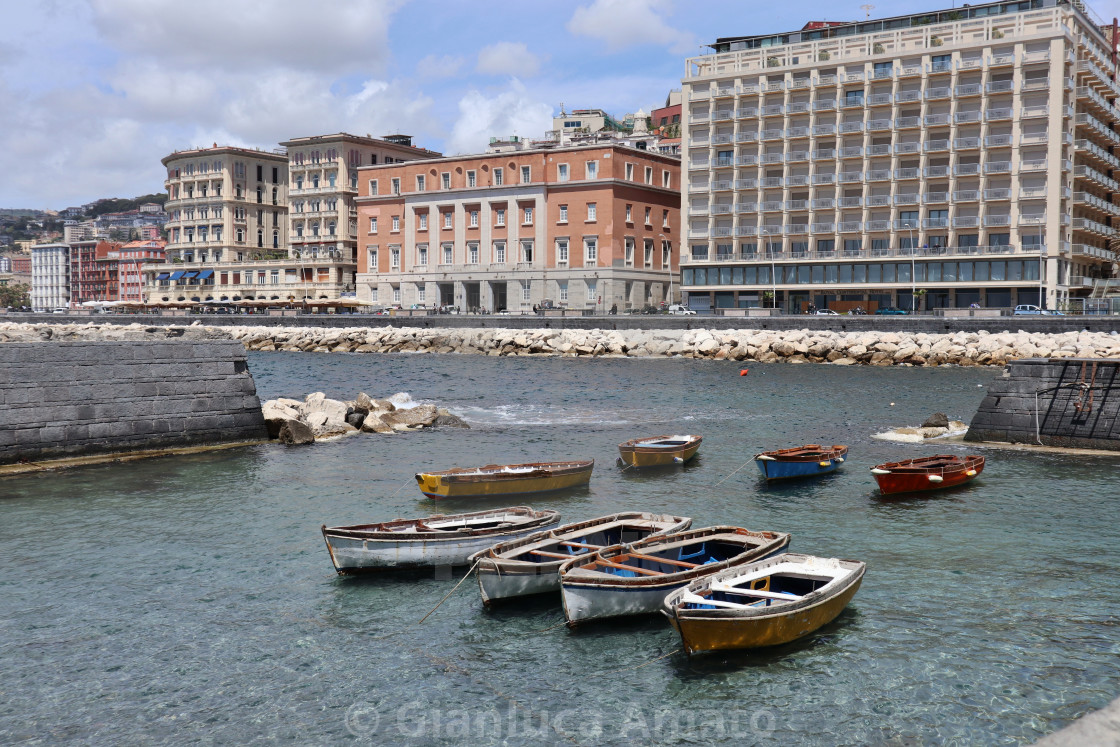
{"x": 373, "y": 225}
{"x": 629, "y": 213}
{"x": 562, "y": 251}
{"x": 526, "y": 251}
{"x": 472, "y": 254}
{"x": 592, "y": 291}
{"x": 472, "y": 179}
{"x": 527, "y": 216}
{"x": 591, "y": 211}
{"x": 396, "y": 223}
{"x": 649, "y": 252}
{"x": 241, "y": 234}
{"x": 446, "y": 177}
{"x": 666, "y": 179}
{"x": 563, "y": 214}
{"x": 394, "y": 258}
{"x": 447, "y": 219}
{"x": 448, "y": 253}
{"x": 526, "y": 175}
{"x": 562, "y": 172}
{"x": 260, "y": 173}
{"x": 395, "y": 184}
{"x": 563, "y": 291}
{"x": 372, "y": 251}
{"x": 373, "y": 294}
{"x": 853, "y": 98}
{"x": 372, "y": 185}
{"x": 591, "y": 250}
{"x": 497, "y": 177}
{"x": 649, "y": 216}
{"x": 420, "y": 185}
{"x": 649, "y": 175}
{"x": 474, "y": 219}
{"x": 666, "y": 253}
{"x": 421, "y": 294}
{"x": 423, "y": 221}
{"x": 629, "y": 172}
{"x": 422, "y": 254}
{"x": 629, "y": 244}
{"x": 500, "y": 252}
{"x": 592, "y": 169}
{"x": 526, "y": 289}
{"x": 665, "y": 218}
{"x": 396, "y": 294}
{"x": 500, "y": 217}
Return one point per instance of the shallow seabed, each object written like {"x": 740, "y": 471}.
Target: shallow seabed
{"x": 191, "y": 598}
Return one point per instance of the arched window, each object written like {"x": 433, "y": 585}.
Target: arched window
{"x": 240, "y": 234}
{"x": 260, "y": 237}
{"x": 331, "y": 227}
{"x": 314, "y": 181}
{"x": 275, "y": 239}
{"x": 299, "y": 182}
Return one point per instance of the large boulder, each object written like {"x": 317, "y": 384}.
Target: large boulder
{"x": 446, "y": 420}
{"x": 936, "y": 420}
{"x": 294, "y": 432}
{"x": 373, "y": 424}
{"x": 421, "y": 415}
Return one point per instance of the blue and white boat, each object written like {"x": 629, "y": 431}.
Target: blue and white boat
{"x": 809, "y": 460}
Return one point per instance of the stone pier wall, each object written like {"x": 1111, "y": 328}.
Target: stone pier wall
{"x": 1067, "y": 402}
{"x": 69, "y": 399}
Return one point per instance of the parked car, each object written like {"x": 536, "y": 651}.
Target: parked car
{"x": 891, "y": 311}
{"x": 676, "y": 308}
{"x": 1027, "y": 309}
{"x": 826, "y": 312}
{"x": 1052, "y": 312}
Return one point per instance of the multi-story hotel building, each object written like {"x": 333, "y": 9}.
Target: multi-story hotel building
{"x": 949, "y": 152}
{"x": 323, "y": 185}
{"x": 228, "y": 229}
{"x": 50, "y": 276}
{"x": 583, "y": 227}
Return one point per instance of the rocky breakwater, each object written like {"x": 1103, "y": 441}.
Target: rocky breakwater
{"x": 318, "y": 417}
{"x": 790, "y": 346}
{"x": 765, "y": 346}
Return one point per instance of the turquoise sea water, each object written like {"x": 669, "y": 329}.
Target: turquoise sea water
{"x": 191, "y": 598}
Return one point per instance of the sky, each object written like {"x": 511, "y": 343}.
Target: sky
{"x": 93, "y": 93}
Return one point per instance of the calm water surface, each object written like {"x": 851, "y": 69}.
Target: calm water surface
{"x": 191, "y": 598}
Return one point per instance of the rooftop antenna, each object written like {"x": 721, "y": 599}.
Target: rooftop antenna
{"x": 562, "y": 114}
{"x": 867, "y": 11}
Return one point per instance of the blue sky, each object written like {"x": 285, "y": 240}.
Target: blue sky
{"x": 95, "y": 92}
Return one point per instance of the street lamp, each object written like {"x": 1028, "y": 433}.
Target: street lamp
{"x": 773, "y": 269}
{"x": 913, "y": 272}
{"x": 1041, "y": 270}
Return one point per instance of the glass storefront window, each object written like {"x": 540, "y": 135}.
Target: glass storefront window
{"x": 904, "y": 273}
{"x": 831, "y": 273}
{"x": 999, "y": 271}
{"x": 737, "y": 275}
{"x": 859, "y": 273}
{"x": 982, "y": 270}
{"x": 845, "y": 273}
{"x": 804, "y": 273}
{"x": 949, "y": 272}
{"x": 933, "y": 272}
{"x": 725, "y": 276}
{"x": 965, "y": 272}
{"x": 818, "y": 273}
{"x": 874, "y": 273}
{"x": 889, "y": 273}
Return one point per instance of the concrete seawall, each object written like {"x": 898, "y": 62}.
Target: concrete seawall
{"x": 69, "y": 399}
{"x": 1069, "y": 403}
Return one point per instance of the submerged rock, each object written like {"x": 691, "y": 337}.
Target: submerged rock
{"x": 936, "y": 420}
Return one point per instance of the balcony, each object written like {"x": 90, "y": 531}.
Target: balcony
{"x": 879, "y": 99}
{"x": 877, "y": 225}
{"x": 995, "y": 221}
{"x": 912, "y": 198}
{"x": 878, "y": 150}
{"x": 996, "y": 141}
{"x": 824, "y": 203}
{"x": 826, "y": 80}
{"x": 1036, "y": 164}
{"x": 903, "y": 97}
{"x": 1001, "y": 60}
{"x": 823, "y": 227}
{"x": 907, "y": 147}
{"x": 992, "y": 115}
{"x": 748, "y": 112}
{"x": 771, "y": 181}
{"x": 933, "y": 120}
{"x": 772, "y": 158}
{"x": 722, "y": 139}
{"x": 933, "y": 146}
{"x": 772, "y": 206}
{"x": 771, "y": 110}
{"x": 725, "y": 91}
{"x": 878, "y": 125}
{"x": 824, "y": 154}
{"x": 697, "y": 94}
{"x": 1035, "y": 84}
{"x": 966, "y": 195}
{"x": 846, "y": 127}
{"x": 797, "y": 204}
{"x": 747, "y": 160}
{"x": 936, "y": 171}
{"x": 773, "y": 134}
{"x": 797, "y": 155}
{"x": 967, "y": 117}
{"x": 723, "y": 162}
{"x": 749, "y": 183}
{"x": 797, "y": 180}
{"x": 997, "y": 167}
{"x": 799, "y": 107}
{"x": 824, "y": 129}
{"x": 910, "y": 71}
{"x": 850, "y": 202}
{"x": 882, "y": 73}
{"x": 748, "y": 136}
{"x": 723, "y": 115}
{"x": 824, "y": 105}
{"x": 1031, "y": 192}
{"x": 969, "y": 89}
{"x": 699, "y": 116}
{"x": 721, "y": 186}
{"x": 932, "y": 198}
{"x": 1000, "y": 86}
{"x": 878, "y": 201}
{"x": 966, "y": 143}
{"x": 902, "y": 123}
{"x": 796, "y": 132}
{"x": 966, "y": 221}
{"x": 997, "y": 194}
{"x": 879, "y": 175}
{"x": 935, "y": 223}
{"x": 938, "y": 93}
{"x": 721, "y": 209}
{"x": 824, "y": 178}
{"x": 698, "y": 163}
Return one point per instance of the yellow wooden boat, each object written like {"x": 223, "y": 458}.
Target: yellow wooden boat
{"x": 765, "y": 603}
{"x": 659, "y": 451}
{"x": 504, "y": 479}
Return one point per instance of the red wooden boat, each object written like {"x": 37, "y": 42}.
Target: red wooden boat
{"x": 927, "y": 473}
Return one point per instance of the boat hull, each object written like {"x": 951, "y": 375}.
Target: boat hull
{"x": 700, "y": 634}
{"x": 791, "y": 464}
{"x": 439, "y": 486}
{"x": 892, "y": 482}
{"x": 636, "y": 455}
{"x": 354, "y": 555}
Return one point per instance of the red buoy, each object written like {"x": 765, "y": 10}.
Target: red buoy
{"x": 743, "y": 372}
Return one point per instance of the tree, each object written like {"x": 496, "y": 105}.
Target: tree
{"x": 15, "y": 295}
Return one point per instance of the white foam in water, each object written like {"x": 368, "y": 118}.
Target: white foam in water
{"x": 905, "y": 438}
{"x": 403, "y": 401}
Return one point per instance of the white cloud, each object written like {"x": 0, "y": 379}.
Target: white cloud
{"x": 511, "y": 112}
{"x": 445, "y": 66}
{"x": 625, "y": 23}
{"x": 508, "y": 58}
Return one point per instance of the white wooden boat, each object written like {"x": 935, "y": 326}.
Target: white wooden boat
{"x": 530, "y": 565}
{"x": 633, "y": 579}
{"x": 766, "y": 603}
{"x": 429, "y": 541}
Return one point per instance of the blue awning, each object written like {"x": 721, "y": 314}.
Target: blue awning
{"x": 189, "y": 275}
{"x": 205, "y": 274}
{"x": 163, "y": 276}
{"x": 177, "y": 274}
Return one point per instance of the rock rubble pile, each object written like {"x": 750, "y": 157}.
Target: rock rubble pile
{"x": 318, "y": 417}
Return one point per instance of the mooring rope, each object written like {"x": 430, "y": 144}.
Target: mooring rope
{"x": 425, "y": 617}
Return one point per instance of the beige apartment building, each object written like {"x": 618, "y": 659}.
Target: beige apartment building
{"x": 939, "y": 159}
{"x": 589, "y": 228}
{"x": 281, "y": 226}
